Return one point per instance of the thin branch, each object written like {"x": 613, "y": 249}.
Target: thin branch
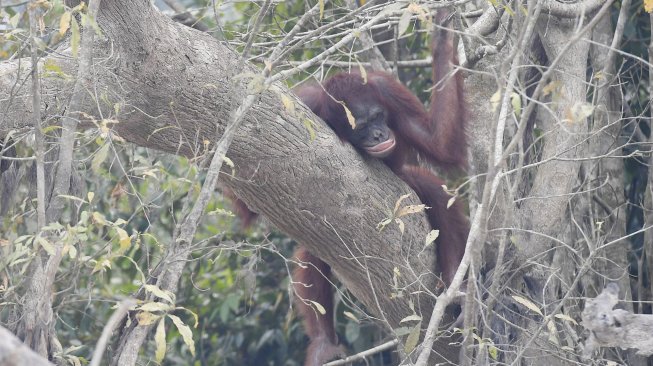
{"x": 254, "y": 31}
{"x": 363, "y": 355}
{"x": 67, "y": 141}
{"x": 111, "y": 325}
{"x": 34, "y": 13}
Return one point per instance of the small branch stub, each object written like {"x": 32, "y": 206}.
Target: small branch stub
{"x": 615, "y": 327}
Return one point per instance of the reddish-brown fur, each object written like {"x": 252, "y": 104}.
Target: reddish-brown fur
{"x": 437, "y": 135}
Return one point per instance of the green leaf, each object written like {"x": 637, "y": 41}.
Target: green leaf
{"x": 50, "y": 65}
{"x": 43, "y": 242}
{"x": 404, "y": 22}
{"x": 100, "y": 157}
{"x": 413, "y": 338}
{"x": 72, "y": 251}
{"x": 160, "y": 341}
{"x": 493, "y": 352}
{"x": 15, "y": 19}
{"x": 99, "y": 218}
{"x": 185, "y": 331}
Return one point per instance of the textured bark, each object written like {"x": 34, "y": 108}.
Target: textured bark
{"x": 616, "y": 327}
{"x": 174, "y": 87}
{"x": 14, "y": 352}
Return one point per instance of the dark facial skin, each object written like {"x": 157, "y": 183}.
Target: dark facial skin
{"x": 372, "y": 133}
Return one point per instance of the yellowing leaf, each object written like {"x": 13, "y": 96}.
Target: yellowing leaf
{"x": 320, "y": 309}
{"x": 410, "y": 209}
{"x": 493, "y": 352}
{"x": 351, "y": 316}
{"x": 155, "y": 306}
{"x": 431, "y": 236}
{"x": 101, "y": 265}
{"x": 648, "y": 5}
{"x": 494, "y": 100}
{"x": 402, "y": 226}
{"x": 125, "y": 240}
{"x": 363, "y": 73}
{"x": 156, "y": 291}
{"x": 398, "y": 203}
{"x": 515, "y": 100}
{"x": 145, "y": 318}
{"x": 451, "y": 201}
{"x": 528, "y": 303}
{"x": 321, "y": 2}
{"x": 196, "y": 318}
{"x": 90, "y": 196}
{"x": 350, "y": 117}
{"x": 185, "y": 332}
{"x": 288, "y": 104}
{"x": 409, "y": 318}
{"x": 551, "y": 88}
{"x": 64, "y": 22}
{"x": 160, "y": 341}
{"x": 551, "y": 327}
{"x": 310, "y": 128}
{"x": 413, "y": 338}
{"x": 566, "y": 318}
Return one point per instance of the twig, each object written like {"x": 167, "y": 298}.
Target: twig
{"x": 362, "y": 355}
{"x": 112, "y": 323}
{"x": 36, "y": 105}
{"x": 67, "y": 141}
{"x": 254, "y": 31}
